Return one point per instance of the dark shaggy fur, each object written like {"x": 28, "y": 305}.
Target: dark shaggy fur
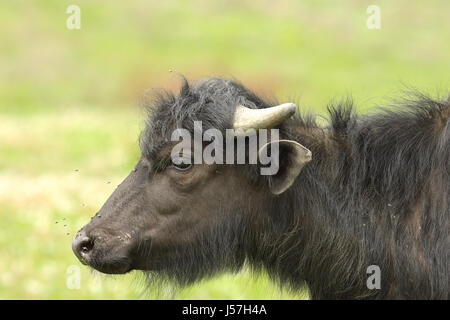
{"x": 376, "y": 193}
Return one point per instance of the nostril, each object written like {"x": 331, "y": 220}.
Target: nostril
{"x": 86, "y": 245}
{"x": 82, "y": 245}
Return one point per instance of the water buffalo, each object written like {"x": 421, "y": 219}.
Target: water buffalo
{"x": 361, "y": 194}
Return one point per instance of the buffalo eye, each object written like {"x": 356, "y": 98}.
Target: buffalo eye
{"x": 183, "y": 166}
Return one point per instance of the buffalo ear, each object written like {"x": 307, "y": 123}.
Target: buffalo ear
{"x": 292, "y": 158}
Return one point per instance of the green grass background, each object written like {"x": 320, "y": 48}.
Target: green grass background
{"x": 69, "y": 115}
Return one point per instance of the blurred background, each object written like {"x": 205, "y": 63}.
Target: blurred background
{"x": 70, "y": 116}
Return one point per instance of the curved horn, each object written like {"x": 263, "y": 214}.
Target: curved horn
{"x": 246, "y": 118}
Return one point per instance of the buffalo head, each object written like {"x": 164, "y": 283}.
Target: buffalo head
{"x": 189, "y": 220}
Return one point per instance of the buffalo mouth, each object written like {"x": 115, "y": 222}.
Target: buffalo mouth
{"x": 115, "y": 265}
{"x": 106, "y": 254}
